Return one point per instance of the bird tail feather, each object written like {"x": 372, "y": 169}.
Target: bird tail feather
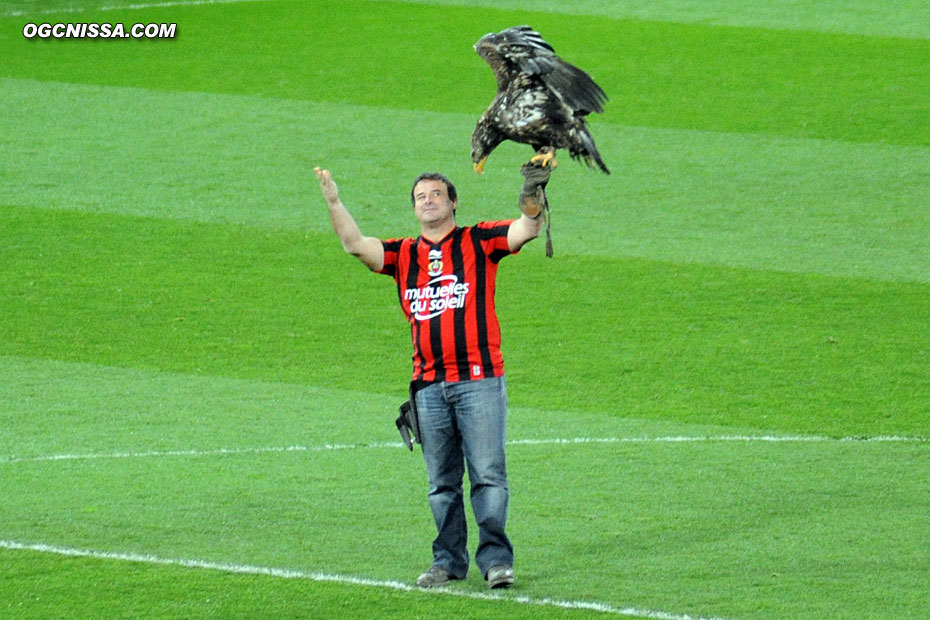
{"x": 590, "y": 153}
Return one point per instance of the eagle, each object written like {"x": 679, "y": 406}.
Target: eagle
{"x": 541, "y": 100}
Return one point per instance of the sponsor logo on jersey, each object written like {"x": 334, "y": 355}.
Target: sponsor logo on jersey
{"x": 436, "y": 296}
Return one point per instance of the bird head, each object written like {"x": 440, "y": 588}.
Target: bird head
{"x": 484, "y": 139}
{"x": 487, "y": 45}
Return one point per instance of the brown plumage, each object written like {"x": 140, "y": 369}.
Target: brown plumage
{"x": 541, "y": 99}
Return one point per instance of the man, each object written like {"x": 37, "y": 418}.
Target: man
{"x": 446, "y": 283}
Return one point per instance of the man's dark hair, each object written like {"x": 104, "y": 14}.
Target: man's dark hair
{"x": 434, "y": 176}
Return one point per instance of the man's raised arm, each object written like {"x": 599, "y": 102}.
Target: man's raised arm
{"x": 367, "y": 249}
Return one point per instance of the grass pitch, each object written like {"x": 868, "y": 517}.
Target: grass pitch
{"x": 197, "y": 384}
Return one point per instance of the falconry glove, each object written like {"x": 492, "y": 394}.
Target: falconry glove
{"x": 533, "y": 201}
{"x": 533, "y": 193}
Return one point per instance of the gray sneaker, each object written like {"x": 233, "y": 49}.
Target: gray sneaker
{"x": 434, "y": 576}
{"x": 500, "y": 577}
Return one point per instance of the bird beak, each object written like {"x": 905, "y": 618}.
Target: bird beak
{"x": 479, "y": 167}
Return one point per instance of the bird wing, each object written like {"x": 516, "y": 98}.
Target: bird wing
{"x": 522, "y": 48}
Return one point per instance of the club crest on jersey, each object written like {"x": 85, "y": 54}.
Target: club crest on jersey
{"x": 435, "y": 263}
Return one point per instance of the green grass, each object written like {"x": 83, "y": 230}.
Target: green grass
{"x": 176, "y": 592}
{"x": 763, "y": 520}
{"x": 658, "y": 74}
{"x": 698, "y": 343}
{"x": 909, "y": 19}
{"x": 176, "y": 309}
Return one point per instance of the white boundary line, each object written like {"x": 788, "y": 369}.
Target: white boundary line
{"x": 672, "y": 439}
{"x": 193, "y": 453}
{"x": 285, "y": 573}
{"x": 127, "y": 7}
{"x": 725, "y": 438}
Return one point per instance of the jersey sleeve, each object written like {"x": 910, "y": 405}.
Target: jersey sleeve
{"x": 391, "y": 256}
{"x": 493, "y": 236}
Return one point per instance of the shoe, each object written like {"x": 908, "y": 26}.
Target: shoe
{"x": 435, "y": 576}
{"x": 500, "y": 577}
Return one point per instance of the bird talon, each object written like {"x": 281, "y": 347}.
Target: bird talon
{"x": 545, "y": 158}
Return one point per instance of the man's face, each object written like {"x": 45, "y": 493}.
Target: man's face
{"x": 431, "y": 202}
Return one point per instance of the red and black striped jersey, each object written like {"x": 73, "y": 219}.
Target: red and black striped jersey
{"x": 446, "y": 290}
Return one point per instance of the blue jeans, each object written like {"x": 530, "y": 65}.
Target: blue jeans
{"x": 464, "y": 423}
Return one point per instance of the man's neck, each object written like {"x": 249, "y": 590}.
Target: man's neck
{"x": 437, "y": 233}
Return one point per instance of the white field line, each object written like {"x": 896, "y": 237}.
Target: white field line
{"x": 119, "y": 7}
{"x": 286, "y": 573}
{"x": 518, "y": 442}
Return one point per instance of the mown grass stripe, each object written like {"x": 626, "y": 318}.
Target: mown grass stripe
{"x": 71, "y": 8}
{"x": 682, "y": 196}
{"x": 911, "y": 18}
{"x": 757, "y": 349}
{"x": 657, "y": 74}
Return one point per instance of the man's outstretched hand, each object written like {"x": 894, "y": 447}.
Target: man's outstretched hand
{"x": 327, "y": 185}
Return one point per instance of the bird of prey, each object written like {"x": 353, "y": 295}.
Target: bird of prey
{"x": 541, "y": 99}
